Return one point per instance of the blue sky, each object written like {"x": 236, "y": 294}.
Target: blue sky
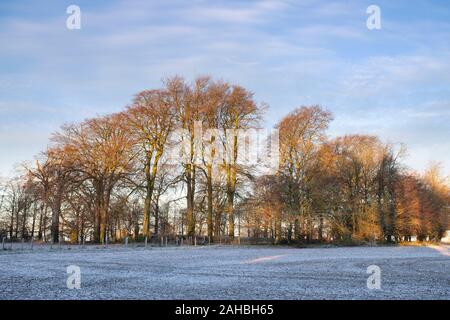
{"x": 393, "y": 82}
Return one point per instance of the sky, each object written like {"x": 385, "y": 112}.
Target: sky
{"x": 393, "y": 82}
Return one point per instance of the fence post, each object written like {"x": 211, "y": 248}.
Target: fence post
{"x": 3, "y": 243}
{"x": 166, "y": 241}
{"x": 162, "y": 241}
{"x": 126, "y": 241}
{"x": 32, "y": 243}
{"x": 181, "y": 241}
{"x": 195, "y": 241}
{"x": 145, "y": 242}
{"x": 106, "y": 240}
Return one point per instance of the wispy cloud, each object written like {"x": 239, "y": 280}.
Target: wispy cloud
{"x": 393, "y": 82}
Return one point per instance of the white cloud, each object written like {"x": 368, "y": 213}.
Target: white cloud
{"x": 243, "y": 12}
{"x": 288, "y": 52}
{"x": 387, "y": 75}
{"x": 323, "y": 32}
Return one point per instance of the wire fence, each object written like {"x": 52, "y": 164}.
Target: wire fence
{"x": 8, "y": 244}
{"x": 31, "y": 244}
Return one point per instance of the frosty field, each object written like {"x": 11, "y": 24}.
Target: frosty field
{"x": 215, "y": 272}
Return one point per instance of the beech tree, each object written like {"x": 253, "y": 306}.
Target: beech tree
{"x": 301, "y": 132}
{"x": 53, "y": 175}
{"x": 239, "y": 112}
{"x": 100, "y": 151}
{"x": 186, "y": 100}
{"x": 152, "y": 119}
{"x": 172, "y": 164}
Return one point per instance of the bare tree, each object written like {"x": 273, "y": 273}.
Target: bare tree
{"x": 152, "y": 118}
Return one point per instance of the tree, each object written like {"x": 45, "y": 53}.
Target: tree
{"x": 100, "y": 151}
{"x": 239, "y": 113}
{"x": 174, "y": 161}
{"x": 301, "y": 132}
{"x": 186, "y": 100}
{"x": 152, "y": 118}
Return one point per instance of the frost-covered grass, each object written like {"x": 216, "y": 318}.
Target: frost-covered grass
{"x": 226, "y": 273}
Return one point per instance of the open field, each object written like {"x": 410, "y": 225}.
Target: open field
{"x": 227, "y": 273}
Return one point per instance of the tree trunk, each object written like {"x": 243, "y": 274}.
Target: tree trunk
{"x": 157, "y": 219}
{"x": 44, "y": 228}
{"x": 289, "y": 234}
{"x": 56, "y": 212}
{"x": 190, "y": 179}
{"x": 217, "y": 224}
{"x": 278, "y": 228}
{"x": 150, "y": 179}
{"x": 16, "y": 231}
{"x": 40, "y": 226}
{"x": 98, "y": 210}
{"x": 24, "y": 219}
{"x": 11, "y": 227}
{"x": 230, "y": 211}
{"x": 33, "y": 225}
{"x": 320, "y": 228}
{"x": 104, "y": 222}
{"x": 210, "y": 202}
{"x": 297, "y": 231}
{"x": 147, "y": 212}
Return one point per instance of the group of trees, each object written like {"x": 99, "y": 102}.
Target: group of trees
{"x": 349, "y": 189}
{"x": 118, "y": 175}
